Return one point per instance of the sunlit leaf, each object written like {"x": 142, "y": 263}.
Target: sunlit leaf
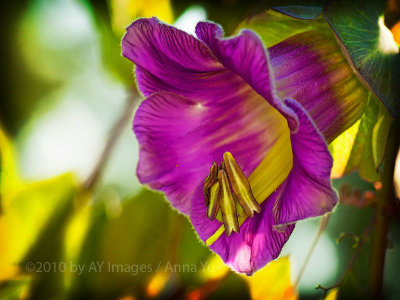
{"x": 48, "y": 250}
{"x": 111, "y": 19}
{"x": 370, "y": 45}
{"x": 77, "y": 226}
{"x": 9, "y": 178}
{"x": 274, "y": 27}
{"x": 124, "y": 12}
{"x": 380, "y": 133}
{"x": 362, "y": 146}
{"x": 272, "y": 281}
{"x": 31, "y": 232}
{"x": 230, "y": 13}
{"x": 26, "y": 207}
{"x": 26, "y": 214}
{"x": 340, "y": 149}
{"x": 214, "y": 268}
{"x": 332, "y": 294}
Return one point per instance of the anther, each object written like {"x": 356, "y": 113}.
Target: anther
{"x": 214, "y": 201}
{"x": 225, "y": 188}
{"x": 240, "y": 186}
{"x": 210, "y": 180}
{"x": 228, "y": 207}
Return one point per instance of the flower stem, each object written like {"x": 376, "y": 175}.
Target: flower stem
{"x": 384, "y": 201}
{"x": 362, "y": 240}
{"x": 323, "y": 223}
{"x": 114, "y": 135}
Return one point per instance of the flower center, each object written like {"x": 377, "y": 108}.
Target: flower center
{"x": 228, "y": 194}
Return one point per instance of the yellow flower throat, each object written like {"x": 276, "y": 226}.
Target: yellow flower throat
{"x": 223, "y": 189}
{"x": 231, "y": 198}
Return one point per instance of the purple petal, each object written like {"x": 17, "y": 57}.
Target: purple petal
{"x": 169, "y": 59}
{"x": 307, "y": 192}
{"x": 180, "y": 138}
{"x": 310, "y": 68}
{"x": 245, "y": 55}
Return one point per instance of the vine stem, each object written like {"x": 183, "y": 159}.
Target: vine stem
{"x": 113, "y": 138}
{"x": 323, "y": 223}
{"x": 362, "y": 240}
{"x": 384, "y": 201}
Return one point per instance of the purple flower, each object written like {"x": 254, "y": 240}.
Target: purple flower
{"x": 211, "y": 99}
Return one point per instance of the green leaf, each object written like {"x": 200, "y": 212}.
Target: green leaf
{"x": 272, "y": 281}
{"x": 379, "y": 134}
{"x": 362, "y": 145}
{"x": 31, "y": 230}
{"x": 230, "y": 13}
{"x": 345, "y": 90}
{"x": 361, "y": 154}
{"x": 143, "y": 233}
{"x": 27, "y": 208}
{"x": 48, "y": 251}
{"x": 13, "y": 289}
{"x": 274, "y": 27}
{"x": 369, "y": 45}
{"x": 9, "y": 177}
{"x": 366, "y": 139}
{"x": 305, "y": 11}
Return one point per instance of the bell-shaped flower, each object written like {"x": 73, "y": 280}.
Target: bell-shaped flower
{"x": 235, "y": 135}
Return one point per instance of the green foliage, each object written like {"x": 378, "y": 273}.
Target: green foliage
{"x": 306, "y": 11}
{"x": 363, "y": 150}
{"x": 369, "y": 45}
{"x": 48, "y": 248}
{"x": 34, "y": 215}
{"x": 146, "y": 236}
{"x": 274, "y": 27}
{"x": 362, "y": 146}
{"x": 369, "y": 144}
{"x": 119, "y": 67}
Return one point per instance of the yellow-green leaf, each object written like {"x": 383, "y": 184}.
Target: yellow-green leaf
{"x": 272, "y": 281}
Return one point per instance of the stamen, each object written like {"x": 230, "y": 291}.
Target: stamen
{"x": 240, "y": 186}
{"x": 214, "y": 201}
{"x": 210, "y": 180}
{"x": 227, "y": 188}
{"x": 260, "y": 182}
{"x": 228, "y": 207}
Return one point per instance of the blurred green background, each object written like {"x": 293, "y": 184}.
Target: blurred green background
{"x": 74, "y": 225}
